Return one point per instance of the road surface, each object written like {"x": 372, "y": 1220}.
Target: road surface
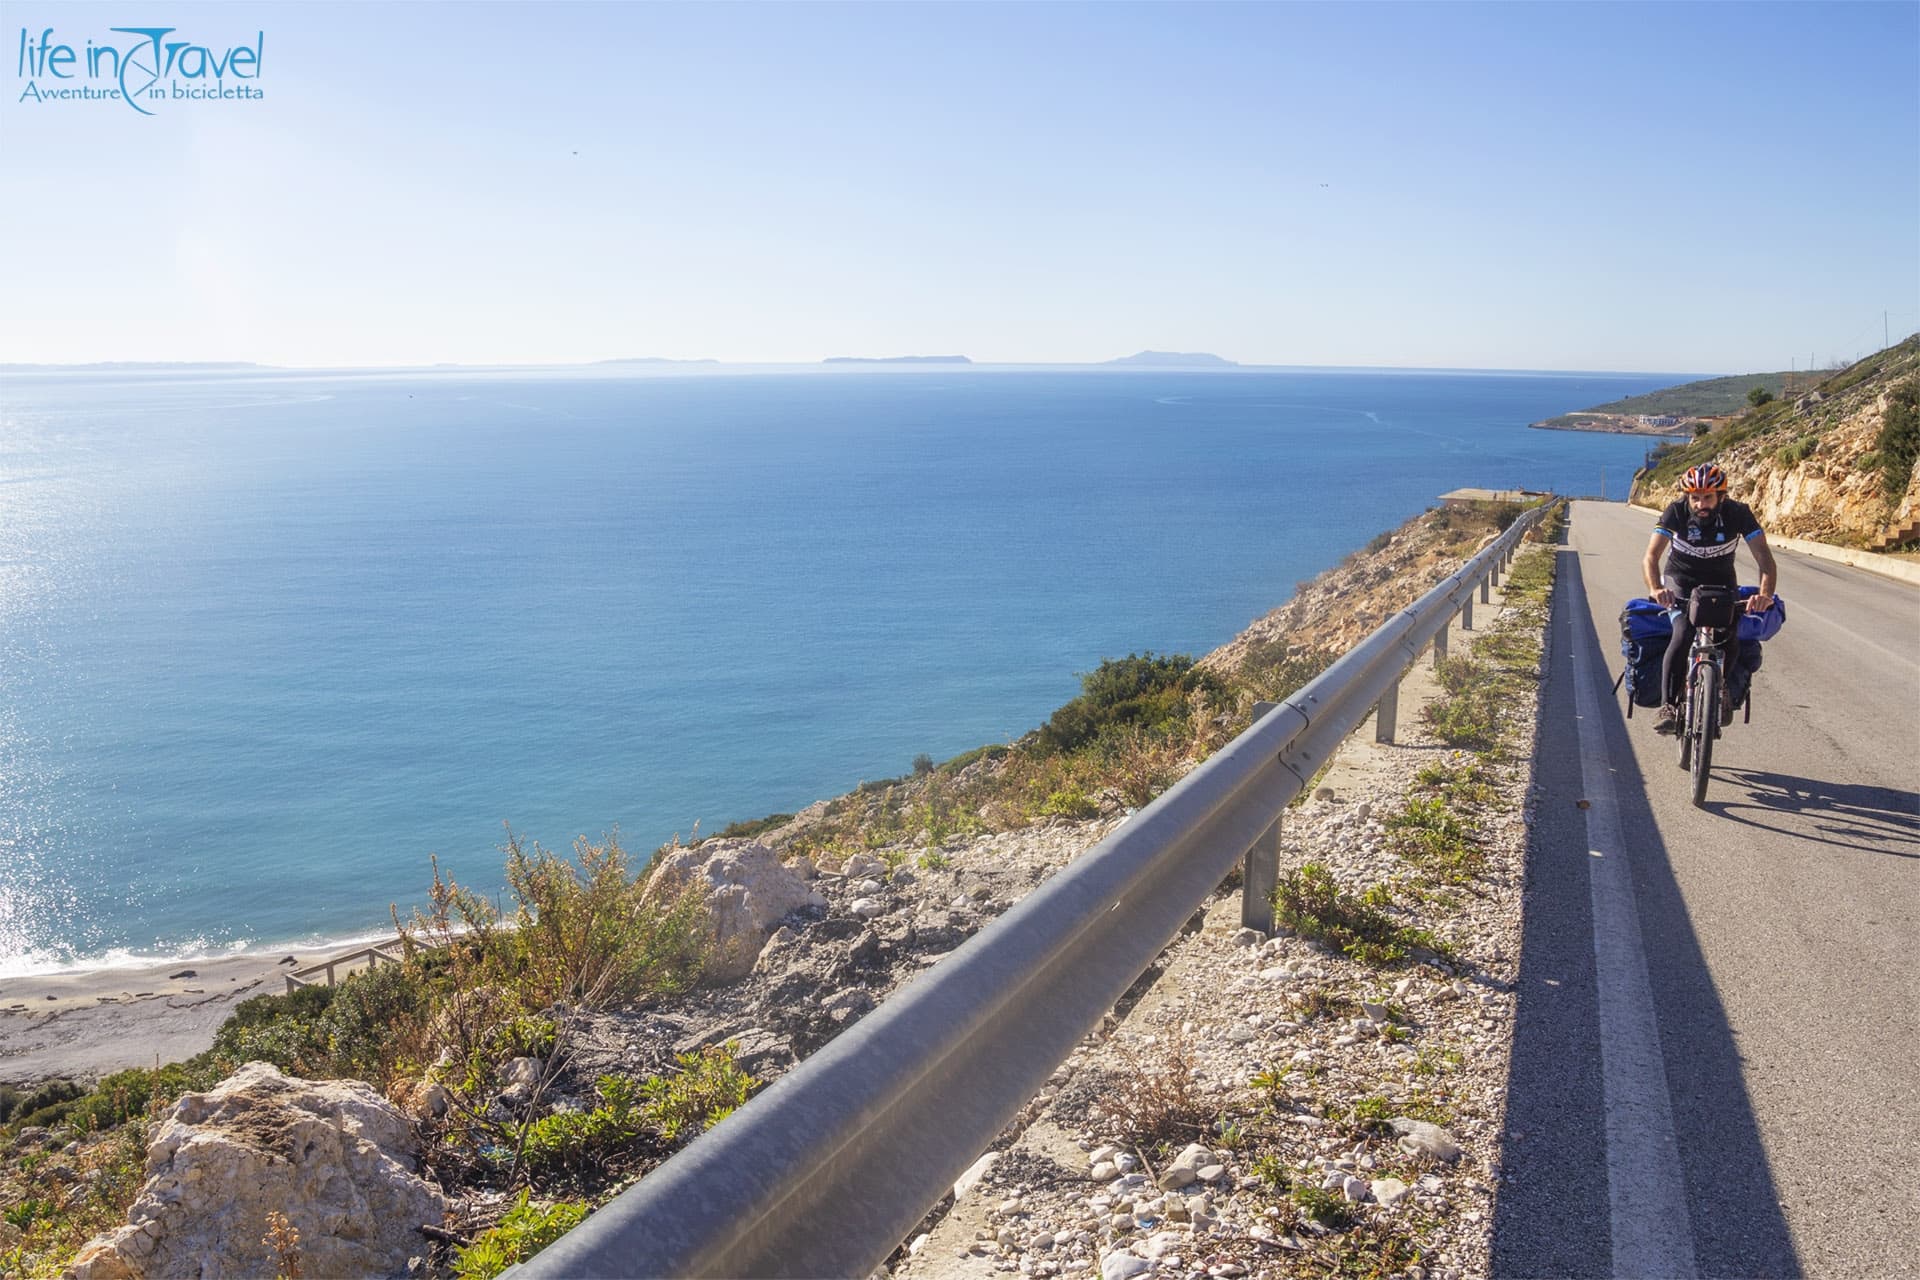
{"x": 1722, "y": 1077}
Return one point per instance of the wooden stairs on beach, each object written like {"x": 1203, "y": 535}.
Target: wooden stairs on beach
{"x": 329, "y": 970}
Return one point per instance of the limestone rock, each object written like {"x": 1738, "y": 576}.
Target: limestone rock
{"x": 333, "y": 1156}
{"x": 747, "y": 892}
{"x": 1422, "y": 1135}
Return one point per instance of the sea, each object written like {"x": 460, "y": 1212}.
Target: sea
{"x": 272, "y": 641}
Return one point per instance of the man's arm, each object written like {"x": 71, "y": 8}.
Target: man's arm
{"x": 1650, "y": 569}
{"x": 1769, "y": 572}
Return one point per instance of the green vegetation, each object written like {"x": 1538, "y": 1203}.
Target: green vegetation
{"x": 1898, "y": 443}
{"x": 1148, "y": 693}
{"x": 1430, "y": 837}
{"x": 1707, "y": 398}
{"x": 1759, "y": 396}
{"x": 523, "y": 1231}
{"x": 1312, "y": 904}
{"x": 587, "y": 1145}
{"x": 1795, "y": 435}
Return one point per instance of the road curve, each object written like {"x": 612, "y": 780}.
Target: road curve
{"x": 1726, "y": 1080}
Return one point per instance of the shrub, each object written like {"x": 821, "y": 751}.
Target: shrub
{"x": 1069, "y": 803}
{"x": 1273, "y": 669}
{"x": 523, "y": 1231}
{"x": 1147, "y": 691}
{"x": 1898, "y": 443}
{"x": 1797, "y": 451}
{"x": 1312, "y": 904}
{"x": 705, "y": 1090}
{"x": 1428, "y": 834}
{"x": 1759, "y": 396}
{"x": 755, "y": 826}
{"x": 1157, "y": 1098}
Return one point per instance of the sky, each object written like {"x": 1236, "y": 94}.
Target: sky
{"x": 1710, "y": 188}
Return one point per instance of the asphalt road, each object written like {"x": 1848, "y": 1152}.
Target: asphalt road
{"x": 1723, "y": 1078}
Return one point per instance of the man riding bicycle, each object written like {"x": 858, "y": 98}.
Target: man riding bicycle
{"x": 1701, "y": 530}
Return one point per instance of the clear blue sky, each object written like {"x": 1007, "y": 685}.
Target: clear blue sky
{"x": 1705, "y": 188}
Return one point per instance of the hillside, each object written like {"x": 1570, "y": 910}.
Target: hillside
{"x": 1706, "y": 398}
{"x": 1836, "y": 464}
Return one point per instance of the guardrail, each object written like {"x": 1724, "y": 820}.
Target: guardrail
{"x": 827, "y": 1171}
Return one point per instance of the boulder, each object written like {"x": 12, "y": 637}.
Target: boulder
{"x": 747, "y": 894}
{"x": 333, "y": 1156}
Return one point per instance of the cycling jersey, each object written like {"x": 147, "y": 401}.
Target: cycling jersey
{"x": 1701, "y": 547}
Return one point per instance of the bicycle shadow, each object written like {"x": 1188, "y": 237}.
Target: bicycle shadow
{"x": 1844, "y": 815}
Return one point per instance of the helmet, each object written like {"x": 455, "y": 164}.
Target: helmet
{"x": 1705, "y": 478}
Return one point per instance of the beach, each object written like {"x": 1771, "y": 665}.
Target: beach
{"x": 87, "y": 1024}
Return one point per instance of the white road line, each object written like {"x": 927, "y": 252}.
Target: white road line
{"x": 1647, "y": 1198}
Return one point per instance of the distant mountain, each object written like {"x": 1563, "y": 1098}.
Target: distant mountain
{"x": 896, "y": 360}
{"x": 653, "y": 360}
{"x": 1176, "y": 360}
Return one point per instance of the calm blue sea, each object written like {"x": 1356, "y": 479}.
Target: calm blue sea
{"x": 267, "y": 642}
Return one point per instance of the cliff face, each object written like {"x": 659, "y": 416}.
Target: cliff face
{"x": 1812, "y": 468}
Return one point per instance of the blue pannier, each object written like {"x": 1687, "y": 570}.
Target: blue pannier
{"x": 1761, "y": 626}
{"x": 1645, "y": 629}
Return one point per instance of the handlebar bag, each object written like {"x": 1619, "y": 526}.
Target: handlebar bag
{"x": 1711, "y": 607}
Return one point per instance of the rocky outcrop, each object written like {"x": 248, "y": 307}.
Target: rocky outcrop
{"x": 1826, "y": 495}
{"x": 747, "y": 894}
{"x": 333, "y": 1157}
{"x": 1807, "y": 475}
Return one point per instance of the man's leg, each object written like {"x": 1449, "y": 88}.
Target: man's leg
{"x": 1673, "y": 669}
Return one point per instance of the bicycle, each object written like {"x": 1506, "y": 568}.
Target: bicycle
{"x": 1705, "y": 706}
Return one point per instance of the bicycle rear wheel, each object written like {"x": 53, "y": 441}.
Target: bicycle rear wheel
{"x": 1704, "y": 715}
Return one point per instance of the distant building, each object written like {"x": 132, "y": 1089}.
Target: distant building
{"x": 1659, "y": 420}
{"x": 1466, "y": 497}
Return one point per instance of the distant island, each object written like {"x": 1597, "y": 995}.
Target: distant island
{"x": 896, "y": 360}
{"x": 1671, "y": 411}
{"x": 1174, "y": 360}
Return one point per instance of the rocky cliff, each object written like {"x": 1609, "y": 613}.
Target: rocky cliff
{"x": 1817, "y": 466}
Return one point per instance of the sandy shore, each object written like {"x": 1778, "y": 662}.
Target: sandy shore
{"x": 84, "y": 1025}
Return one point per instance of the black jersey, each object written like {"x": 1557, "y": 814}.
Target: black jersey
{"x": 1702, "y": 546}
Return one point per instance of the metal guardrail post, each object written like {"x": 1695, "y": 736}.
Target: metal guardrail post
{"x": 1260, "y": 869}
{"x": 1466, "y": 614}
{"x": 1486, "y": 588}
{"x": 1386, "y": 716}
{"x": 1440, "y": 643}
{"x": 826, "y": 1171}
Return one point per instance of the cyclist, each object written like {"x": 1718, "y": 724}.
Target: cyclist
{"x": 1697, "y": 535}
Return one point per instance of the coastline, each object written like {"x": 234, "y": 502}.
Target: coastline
{"x": 89, "y": 1023}
{"x": 86, "y": 1023}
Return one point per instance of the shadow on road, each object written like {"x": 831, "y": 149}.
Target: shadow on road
{"x": 1553, "y": 1215}
{"x": 1845, "y": 815}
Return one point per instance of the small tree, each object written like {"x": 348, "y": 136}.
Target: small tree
{"x": 1701, "y": 428}
{"x": 1759, "y": 396}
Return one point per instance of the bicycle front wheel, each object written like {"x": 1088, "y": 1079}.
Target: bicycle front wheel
{"x": 1705, "y": 717}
